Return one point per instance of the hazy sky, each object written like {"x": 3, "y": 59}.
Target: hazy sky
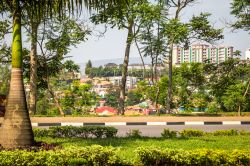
{"x": 112, "y": 45}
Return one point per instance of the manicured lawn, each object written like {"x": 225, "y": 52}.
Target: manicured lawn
{"x": 127, "y": 146}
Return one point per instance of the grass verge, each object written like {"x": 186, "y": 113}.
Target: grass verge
{"x": 128, "y": 146}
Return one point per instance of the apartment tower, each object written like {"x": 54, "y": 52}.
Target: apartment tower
{"x": 202, "y": 53}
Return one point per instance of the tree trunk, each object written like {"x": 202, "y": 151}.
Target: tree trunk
{"x": 155, "y": 68}
{"x": 157, "y": 51}
{"x": 16, "y": 130}
{"x": 156, "y": 100}
{"x": 58, "y": 105}
{"x": 245, "y": 93}
{"x": 152, "y": 69}
{"x": 125, "y": 69}
{"x": 170, "y": 90}
{"x": 239, "y": 112}
{"x": 33, "y": 69}
{"x": 144, "y": 69}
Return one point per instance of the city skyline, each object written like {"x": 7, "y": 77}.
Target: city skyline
{"x": 112, "y": 45}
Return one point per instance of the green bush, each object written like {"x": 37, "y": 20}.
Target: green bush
{"x": 77, "y": 132}
{"x": 134, "y": 133}
{"x": 166, "y": 133}
{"x": 191, "y": 133}
{"x": 41, "y": 132}
{"x": 94, "y": 155}
{"x": 153, "y": 157}
{"x": 243, "y": 132}
{"x": 230, "y": 132}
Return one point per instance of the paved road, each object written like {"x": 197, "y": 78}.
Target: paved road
{"x": 239, "y": 123}
{"x": 155, "y": 131}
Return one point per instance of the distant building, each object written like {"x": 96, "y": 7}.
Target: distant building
{"x": 138, "y": 67}
{"x": 130, "y": 82}
{"x": 147, "y": 67}
{"x": 247, "y": 55}
{"x": 110, "y": 65}
{"x": 202, "y": 53}
{"x": 101, "y": 87}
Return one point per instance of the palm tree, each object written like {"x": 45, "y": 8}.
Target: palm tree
{"x": 16, "y": 130}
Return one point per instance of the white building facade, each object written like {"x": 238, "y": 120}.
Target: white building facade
{"x": 130, "y": 82}
{"x": 247, "y": 55}
{"x": 202, "y": 53}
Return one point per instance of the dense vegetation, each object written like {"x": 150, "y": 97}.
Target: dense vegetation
{"x": 227, "y": 147}
{"x": 52, "y": 32}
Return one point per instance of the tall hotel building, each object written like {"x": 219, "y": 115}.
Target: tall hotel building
{"x": 202, "y": 53}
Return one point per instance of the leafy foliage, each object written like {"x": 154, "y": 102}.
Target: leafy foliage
{"x": 166, "y": 133}
{"x": 92, "y": 155}
{"x": 153, "y": 156}
{"x": 135, "y": 133}
{"x": 77, "y": 132}
{"x": 191, "y": 133}
{"x": 112, "y": 97}
{"x": 241, "y": 10}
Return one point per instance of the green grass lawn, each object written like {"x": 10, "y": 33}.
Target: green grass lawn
{"x": 127, "y": 146}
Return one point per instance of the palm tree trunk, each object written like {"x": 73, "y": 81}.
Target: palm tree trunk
{"x": 33, "y": 69}
{"x": 125, "y": 69}
{"x": 16, "y": 130}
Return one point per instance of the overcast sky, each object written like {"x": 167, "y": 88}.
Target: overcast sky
{"x": 112, "y": 45}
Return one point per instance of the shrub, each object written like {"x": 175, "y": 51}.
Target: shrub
{"x": 243, "y": 132}
{"x": 134, "y": 133}
{"x": 41, "y": 132}
{"x": 191, "y": 133}
{"x": 93, "y": 155}
{"x": 230, "y": 132}
{"x": 152, "y": 157}
{"x": 166, "y": 133}
{"x": 76, "y": 132}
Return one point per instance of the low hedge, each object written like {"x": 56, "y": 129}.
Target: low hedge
{"x": 108, "y": 156}
{"x": 93, "y": 155}
{"x": 191, "y": 133}
{"x": 187, "y": 133}
{"x": 77, "y": 132}
{"x": 203, "y": 157}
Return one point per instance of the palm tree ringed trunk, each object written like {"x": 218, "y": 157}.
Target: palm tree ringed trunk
{"x": 33, "y": 68}
{"x": 125, "y": 69}
{"x": 16, "y": 130}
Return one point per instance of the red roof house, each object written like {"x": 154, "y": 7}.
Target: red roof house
{"x": 105, "y": 110}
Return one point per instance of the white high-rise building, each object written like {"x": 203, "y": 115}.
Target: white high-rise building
{"x": 202, "y": 53}
{"x": 247, "y": 55}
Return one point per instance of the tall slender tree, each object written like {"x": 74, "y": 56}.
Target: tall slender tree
{"x": 179, "y": 33}
{"x": 129, "y": 15}
{"x": 16, "y": 130}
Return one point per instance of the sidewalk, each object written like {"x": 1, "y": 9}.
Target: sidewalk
{"x": 133, "y": 119}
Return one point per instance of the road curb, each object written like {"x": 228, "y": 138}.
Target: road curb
{"x": 187, "y": 123}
